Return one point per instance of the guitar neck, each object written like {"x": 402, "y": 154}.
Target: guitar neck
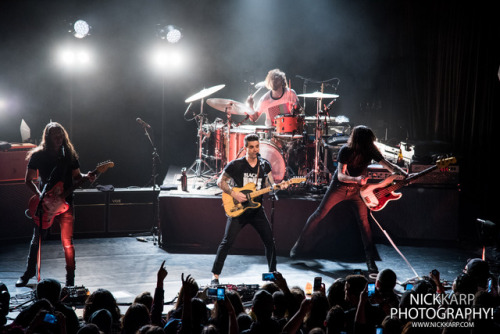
{"x": 260, "y": 192}
{"x": 401, "y": 183}
{"x": 77, "y": 184}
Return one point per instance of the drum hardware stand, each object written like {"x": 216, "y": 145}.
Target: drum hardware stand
{"x": 200, "y": 167}
{"x": 317, "y": 178}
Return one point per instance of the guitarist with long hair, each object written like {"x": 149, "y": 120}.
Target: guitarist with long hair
{"x": 56, "y": 160}
{"x": 353, "y": 160}
{"x": 239, "y": 173}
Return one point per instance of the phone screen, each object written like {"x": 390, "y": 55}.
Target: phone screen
{"x": 371, "y": 289}
{"x": 50, "y": 318}
{"x": 212, "y": 292}
{"x": 221, "y": 291}
{"x": 409, "y": 286}
{"x": 268, "y": 277}
{"x": 380, "y": 330}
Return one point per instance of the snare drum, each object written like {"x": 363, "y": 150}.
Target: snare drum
{"x": 271, "y": 153}
{"x": 289, "y": 124}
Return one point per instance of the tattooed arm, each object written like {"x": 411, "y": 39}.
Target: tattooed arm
{"x": 223, "y": 183}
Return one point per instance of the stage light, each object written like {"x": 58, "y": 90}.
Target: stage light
{"x": 167, "y": 59}
{"x": 72, "y": 57}
{"x": 81, "y": 29}
{"x": 170, "y": 33}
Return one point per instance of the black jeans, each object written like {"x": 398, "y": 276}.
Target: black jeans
{"x": 256, "y": 218}
{"x": 335, "y": 194}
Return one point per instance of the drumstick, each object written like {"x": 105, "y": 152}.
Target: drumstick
{"x": 258, "y": 90}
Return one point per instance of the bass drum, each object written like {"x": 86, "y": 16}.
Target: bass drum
{"x": 271, "y": 153}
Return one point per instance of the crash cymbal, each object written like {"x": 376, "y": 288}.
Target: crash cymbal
{"x": 204, "y": 93}
{"x": 230, "y": 106}
{"x": 260, "y": 85}
{"x": 319, "y": 95}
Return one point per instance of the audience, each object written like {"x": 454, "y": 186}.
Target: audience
{"x": 276, "y": 308}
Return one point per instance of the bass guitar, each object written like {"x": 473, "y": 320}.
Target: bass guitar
{"x": 54, "y": 202}
{"x": 234, "y": 209}
{"x": 377, "y": 195}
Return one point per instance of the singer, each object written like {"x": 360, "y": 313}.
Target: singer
{"x": 249, "y": 169}
{"x": 56, "y": 160}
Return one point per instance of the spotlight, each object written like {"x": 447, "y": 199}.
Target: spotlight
{"x": 170, "y": 33}
{"x": 72, "y": 57}
{"x": 167, "y": 59}
{"x": 81, "y": 29}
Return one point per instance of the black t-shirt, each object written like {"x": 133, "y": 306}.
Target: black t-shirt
{"x": 60, "y": 168}
{"x": 242, "y": 173}
{"x": 346, "y": 157}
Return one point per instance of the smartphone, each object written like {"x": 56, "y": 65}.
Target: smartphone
{"x": 409, "y": 286}
{"x": 212, "y": 292}
{"x": 379, "y": 330}
{"x": 317, "y": 284}
{"x": 50, "y": 318}
{"x": 221, "y": 292}
{"x": 268, "y": 277}
{"x": 371, "y": 289}
{"x": 489, "y": 284}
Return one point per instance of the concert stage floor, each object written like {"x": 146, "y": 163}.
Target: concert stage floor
{"x": 127, "y": 266}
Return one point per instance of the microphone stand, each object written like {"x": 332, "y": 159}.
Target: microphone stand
{"x": 154, "y": 174}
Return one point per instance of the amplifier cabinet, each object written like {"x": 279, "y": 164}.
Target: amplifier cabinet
{"x": 13, "y": 162}
{"x": 131, "y": 210}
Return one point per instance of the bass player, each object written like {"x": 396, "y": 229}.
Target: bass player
{"x": 238, "y": 173}
{"x": 353, "y": 160}
{"x": 57, "y": 161}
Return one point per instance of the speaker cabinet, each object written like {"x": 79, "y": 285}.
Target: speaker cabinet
{"x": 14, "y": 223}
{"x": 131, "y": 210}
{"x": 90, "y": 210}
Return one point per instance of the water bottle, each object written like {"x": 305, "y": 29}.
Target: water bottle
{"x": 184, "y": 181}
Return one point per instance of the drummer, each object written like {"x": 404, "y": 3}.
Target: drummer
{"x": 279, "y": 100}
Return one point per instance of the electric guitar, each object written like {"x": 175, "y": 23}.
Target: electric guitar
{"x": 54, "y": 201}
{"x": 234, "y": 209}
{"x": 377, "y": 195}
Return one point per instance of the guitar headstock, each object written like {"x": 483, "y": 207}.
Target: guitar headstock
{"x": 296, "y": 179}
{"x": 443, "y": 163}
{"x": 104, "y": 166}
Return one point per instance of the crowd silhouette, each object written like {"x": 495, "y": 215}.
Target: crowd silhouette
{"x": 352, "y": 304}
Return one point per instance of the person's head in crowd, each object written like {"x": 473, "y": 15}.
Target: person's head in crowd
{"x": 49, "y": 289}
{"x": 392, "y": 325}
{"x": 319, "y": 309}
{"x": 89, "y": 329}
{"x": 336, "y": 293}
{"x": 262, "y": 305}
{"x": 136, "y": 316}
{"x": 479, "y": 270}
{"x": 386, "y": 281}
{"x": 270, "y": 287}
{"x": 298, "y": 295}
{"x": 335, "y": 321}
{"x": 210, "y": 329}
{"x": 101, "y": 299}
{"x": 25, "y": 317}
{"x": 145, "y": 299}
{"x": 354, "y": 284}
{"x": 150, "y": 329}
{"x": 464, "y": 284}
{"x": 244, "y": 321}
{"x": 103, "y": 319}
{"x": 4, "y": 303}
{"x": 280, "y": 304}
{"x": 235, "y": 299}
{"x": 316, "y": 330}
{"x": 424, "y": 286}
{"x": 199, "y": 311}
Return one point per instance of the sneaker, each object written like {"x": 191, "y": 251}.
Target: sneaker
{"x": 215, "y": 281}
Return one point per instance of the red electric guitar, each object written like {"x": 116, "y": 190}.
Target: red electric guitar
{"x": 377, "y": 195}
{"x": 54, "y": 201}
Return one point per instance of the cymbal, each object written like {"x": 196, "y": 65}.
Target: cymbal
{"x": 230, "y": 106}
{"x": 319, "y": 95}
{"x": 204, "y": 93}
{"x": 260, "y": 85}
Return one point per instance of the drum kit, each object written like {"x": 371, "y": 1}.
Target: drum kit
{"x": 293, "y": 146}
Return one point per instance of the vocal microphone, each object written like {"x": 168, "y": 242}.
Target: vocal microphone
{"x": 144, "y": 124}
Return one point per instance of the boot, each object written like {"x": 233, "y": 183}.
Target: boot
{"x": 23, "y": 280}
{"x": 70, "y": 278}
{"x": 372, "y": 266}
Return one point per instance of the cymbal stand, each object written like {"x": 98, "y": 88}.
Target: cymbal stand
{"x": 316, "y": 174}
{"x": 200, "y": 167}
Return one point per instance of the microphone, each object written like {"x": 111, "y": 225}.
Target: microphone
{"x": 144, "y": 124}
{"x": 62, "y": 152}
{"x": 329, "y": 105}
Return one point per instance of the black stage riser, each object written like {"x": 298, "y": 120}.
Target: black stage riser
{"x": 196, "y": 224}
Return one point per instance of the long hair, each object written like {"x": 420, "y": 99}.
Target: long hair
{"x": 45, "y": 143}
{"x": 273, "y": 74}
{"x": 361, "y": 141}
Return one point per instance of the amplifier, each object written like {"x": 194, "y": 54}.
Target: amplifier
{"x": 377, "y": 173}
{"x": 448, "y": 175}
{"x": 13, "y": 162}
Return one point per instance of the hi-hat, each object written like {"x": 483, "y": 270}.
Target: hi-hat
{"x": 230, "y": 106}
{"x": 204, "y": 93}
{"x": 319, "y": 95}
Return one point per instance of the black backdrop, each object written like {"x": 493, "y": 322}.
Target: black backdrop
{"x": 416, "y": 71}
